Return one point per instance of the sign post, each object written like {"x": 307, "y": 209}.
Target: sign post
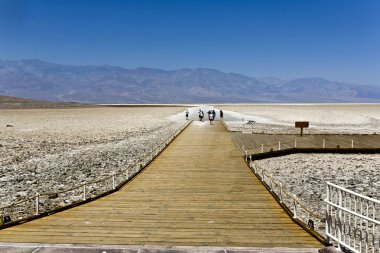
{"x": 302, "y": 125}
{"x": 251, "y": 122}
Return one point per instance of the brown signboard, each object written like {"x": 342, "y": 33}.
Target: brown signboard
{"x": 302, "y": 124}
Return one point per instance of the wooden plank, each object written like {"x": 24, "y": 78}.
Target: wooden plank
{"x": 253, "y": 142}
{"x": 197, "y": 192}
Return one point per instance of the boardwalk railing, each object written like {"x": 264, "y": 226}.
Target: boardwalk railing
{"x": 298, "y": 209}
{"x": 279, "y": 190}
{"x": 42, "y": 204}
{"x": 351, "y": 220}
{"x": 281, "y": 145}
{"x": 350, "y": 217}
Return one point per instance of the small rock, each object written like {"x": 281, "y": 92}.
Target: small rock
{"x": 53, "y": 196}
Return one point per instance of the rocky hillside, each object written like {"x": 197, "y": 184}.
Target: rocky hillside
{"x": 109, "y": 84}
{"x": 13, "y": 103}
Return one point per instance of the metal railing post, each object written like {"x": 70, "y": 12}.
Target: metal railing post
{"x": 349, "y": 221}
{"x": 324, "y": 143}
{"x": 294, "y": 207}
{"x": 84, "y": 191}
{"x": 271, "y": 182}
{"x": 279, "y": 145}
{"x": 352, "y": 143}
{"x": 281, "y": 193}
{"x": 113, "y": 181}
{"x": 295, "y": 143}
{"x": 340, "y": 219}
{"x": 37, "y": 203}
{"x": 262, "y": 148}
{"x": 327, "y": 223}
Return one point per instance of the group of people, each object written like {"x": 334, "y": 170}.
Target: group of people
{"x": 211, "y": 115}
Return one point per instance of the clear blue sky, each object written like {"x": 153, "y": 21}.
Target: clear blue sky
{"x": 334, "y": 39}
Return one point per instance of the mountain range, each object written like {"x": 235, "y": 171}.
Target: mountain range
{"x": 37, "y": 79}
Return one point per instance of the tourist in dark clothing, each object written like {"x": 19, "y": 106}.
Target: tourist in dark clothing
{"x": 211, "y": 117}
{"x": 201, "y": 115}
{"x": 221, "y": 114}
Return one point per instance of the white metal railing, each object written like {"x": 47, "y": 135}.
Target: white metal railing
{"x": 352, "y": 220}
{"x": 299, "y": 210}
{"x": 49, "y": 202}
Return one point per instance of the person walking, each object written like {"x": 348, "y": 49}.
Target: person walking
{"x": 201, "y": 115}
{"x": 187, "y": 114}
{"x": 213, "y": 113}
{"x": 211, "y": 118}
{"x": 221, "y": 114}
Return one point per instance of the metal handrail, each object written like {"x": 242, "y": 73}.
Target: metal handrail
{"x": 353, "y": 193}
{"x": 283, "y": 191}
{"x": 150, "y": 155}
{"x": 347, "y": 212}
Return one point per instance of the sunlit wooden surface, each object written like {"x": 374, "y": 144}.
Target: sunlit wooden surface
{"x": 253, "y": 142}
{"x": 198, "y": 191}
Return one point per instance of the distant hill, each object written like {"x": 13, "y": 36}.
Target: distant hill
{"x": 109, "y": 84}
{"x": 14, "y": 103}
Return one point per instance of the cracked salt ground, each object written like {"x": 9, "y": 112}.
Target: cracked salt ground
{"x": 305, "y": 175}
{"x": 55, "y": 149}
{"x": 323, "y": 118}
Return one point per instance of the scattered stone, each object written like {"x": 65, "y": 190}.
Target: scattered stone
{"x": 305, "y": 175}
{"x": 54, "y": 151}
{"x": 330, "y": 249}
{"x": 53, "y": 196}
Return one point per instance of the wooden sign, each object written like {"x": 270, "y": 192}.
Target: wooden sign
{"x": 302, "y": 124}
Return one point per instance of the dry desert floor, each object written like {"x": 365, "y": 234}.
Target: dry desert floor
{"x": 305, "y": 175}
{"x": 323, "y": 118}
{"x": 47, "y": 150}
{"x": 50, "y": 150}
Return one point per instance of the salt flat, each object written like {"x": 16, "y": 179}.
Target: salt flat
{"x": 323, "y": 118}
{"x": 305, "y": 175}
{"x": 49, "y": 150}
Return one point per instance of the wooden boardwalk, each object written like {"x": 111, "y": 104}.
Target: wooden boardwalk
{"x": 198, "y": 192}
{"x": 253, "y": 142}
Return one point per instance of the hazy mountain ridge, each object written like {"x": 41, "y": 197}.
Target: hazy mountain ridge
{"x": 111, "y": 84}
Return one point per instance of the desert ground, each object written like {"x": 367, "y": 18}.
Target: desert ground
{"x": 305, "y": 175}
{"x": 50, "y": 150}
{"x": 323, "y": 118}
